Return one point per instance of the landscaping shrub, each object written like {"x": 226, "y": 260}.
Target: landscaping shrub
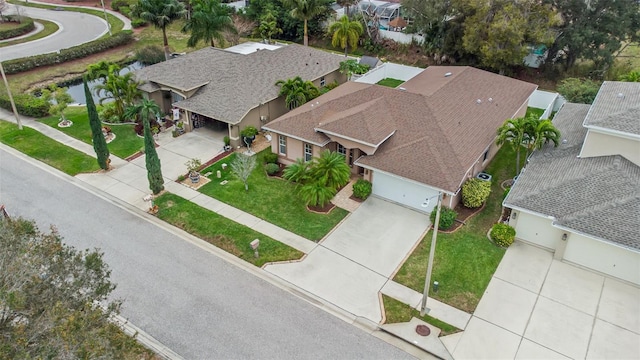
{"x": 26, "y": 25}
{"x": 332, "y": 85}
{"x": 475, "y": 192}
{"x": 72, "y": 53}
{"x": 136, "y": 23}
{"x": 26, "y": 104}
{"x": 505, "y": 193}
{"x": 502, "y": 234}
{"x": 150, "y": 54}
{"x": 581, "y": 91}
{"x": 447, "y": 217}
{"x": 126, "y": 11}
{"x": 272, "y": 168}
{"x": 271, "y": 158}
{"x": 116, "y": 4}
{"x": 362, "y": 189}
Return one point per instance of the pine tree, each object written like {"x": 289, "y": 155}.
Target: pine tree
{"x": 154, "y": 174}
{"x": 99, "y": 143}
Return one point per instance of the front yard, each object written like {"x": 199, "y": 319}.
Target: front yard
{"x": 272, "y": 199}
{"x": 464, "y": 260}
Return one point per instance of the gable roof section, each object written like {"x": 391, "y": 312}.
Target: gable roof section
{"x": 438, "y": 133}
{"x": 232, "y": 83}
{"x": 616, "y": 107}
{"x": 597, "y": 196}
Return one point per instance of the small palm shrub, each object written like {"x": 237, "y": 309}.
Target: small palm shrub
{"x": 316, "y": 193}
{"x": 362, "y": 189}
{"x": 297, "y": 172}
{"x": 502, "y": 234}
{"x": 271, "y": 168}
{"x": 475, "y": 192}
{"x": 271, "y": 158}
{"x": 447, "y": 217}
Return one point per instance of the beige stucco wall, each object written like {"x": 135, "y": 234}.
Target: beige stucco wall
{"x": 350, "y": 144}
{"x": 295, "y": 149}
{"x": 603, "y": 257}
{"x": 600, "y": 144}
{"x": 535, "y": 229}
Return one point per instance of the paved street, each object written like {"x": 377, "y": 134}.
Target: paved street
{"x": 191, "y": 300}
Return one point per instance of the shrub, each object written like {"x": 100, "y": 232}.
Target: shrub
{"x": 227, "y": 141}
{"x": 272, "y": 168}
{"x": 579, "y": 90}
{"x": 108, "y": 114}
{"x": 362, "y": 189}
{"x": 271, "y": 158}
{"x": 136, "y": 23}
{"x": 475, "y": 192}
{"x": 26, "y": 104}
{"x": 26, "y": 25}
{"x": 116, "y": 4}
{"x": 332, "y": 85}
{"x": 249, "y": 131}
{"x": 505, "y": 193}
{"x": 447, "y": 217}
{"x": 150, "y": 54}
{"x": 125, "y": 10}
{"x": 502, "y": 234}
{"x": 72, "y": 53}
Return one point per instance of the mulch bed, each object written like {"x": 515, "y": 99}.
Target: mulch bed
{"x": 321, "y": 209}
{"x": 356, "y": 199}
{"x": 464, "y": 215}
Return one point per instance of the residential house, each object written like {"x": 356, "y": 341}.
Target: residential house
{"x": 428, "y": 136}
{"x": 582, "y": 199}
{"x": 232, "y": 88}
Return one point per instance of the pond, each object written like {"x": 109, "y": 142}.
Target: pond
{"x": 76, "y": 89}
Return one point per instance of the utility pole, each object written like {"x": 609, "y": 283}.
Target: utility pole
{"x": 13, "y": 104}
{"x": 105, "y": 17}
{"x": 427, "y": 280}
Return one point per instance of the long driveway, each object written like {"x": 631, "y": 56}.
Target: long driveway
{"x": 191, "y": 300}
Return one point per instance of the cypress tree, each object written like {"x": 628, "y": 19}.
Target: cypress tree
{"x": 154, "y": 174}
{"x": 99, "y": 143}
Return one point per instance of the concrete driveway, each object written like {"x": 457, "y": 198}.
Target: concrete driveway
{"x": 350, "y": 266}
{"x": 536, "y": 307}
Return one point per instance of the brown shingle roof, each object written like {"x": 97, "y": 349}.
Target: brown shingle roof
{"x": 235, "y": 83}
{"x": 440, "y": 128}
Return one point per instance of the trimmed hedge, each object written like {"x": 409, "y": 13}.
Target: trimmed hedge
{"x": 362, "y": 189}
{"x": 272, "y": 168}
{"x": 72, "y": 53}
{"x": 26, "y": 104}
{"x": 502, "y": 234}
{"x": 26, "y": 25}
{"x": 475, "y": 192}
{"x": 447, "y": 217}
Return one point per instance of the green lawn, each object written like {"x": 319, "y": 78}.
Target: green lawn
{"x": 464, "y": 260}
{"x": 271, "y": 199}
{"x": 126, "y": 143}
{"x": 40, "y": 147}
{"x": 398, "y": 312}
{"x": 534, "y": 111}
{"x": 390, "y": 82}
{"x": 49, "y": 28}
{"x": 222, "y": 232}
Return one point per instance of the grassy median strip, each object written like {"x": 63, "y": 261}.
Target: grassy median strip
{"x": 399, "y": 312}
{"x": 38, "y": 146}
{"x": 49, "y": 28}
{"x": 217, "y": 230}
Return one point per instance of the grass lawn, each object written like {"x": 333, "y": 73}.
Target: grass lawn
{"x": 464, "y": 260}
{"x": 399, "y": 312}
{"x": 49, "y": 28}
{"x": 271, "y": 199}
{"x": 40, "y": 147}
{"x": 124, "y": 145}
{"x": 390, "y": 82}
{"x": 222, "y": 232}
{"x": 534, "y": 111}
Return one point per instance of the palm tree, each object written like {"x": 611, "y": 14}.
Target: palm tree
{"x": 161, "y": 13}
{"x": 316, "y": 193}
{"x": 123, "y": 89}
{"x": 297, "y": 172}
{"x": 297, "y": 91}
{"x": 513, "y": 131}
{"x": 540, "y": 132}
{"x": 345, "y": 33}
{"x": 145, "y": 110}
{"x": 331, "y": 170}
{"x": 346, "y": 4}
{"x": 207, "y": 22}
{"x": 268, "y": 26}
{"x": 305, "y": 10}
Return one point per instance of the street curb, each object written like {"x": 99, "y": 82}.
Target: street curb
{"x": 145, "y": 339}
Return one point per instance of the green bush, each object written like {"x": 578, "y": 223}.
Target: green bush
{"x": 108, "y": 113}
{"x": 150, "y": 54}
{"x": 475, "y": 192}
{"x": 505, "y": 193}
{"x": 249, "y": 131}
{"x": 447, "y": 217}
{"x": 125, "y": 10}
{"x": 362, "y": 189}
{"x": 26, "y": 104}
{"x": 116, "y": 4}
{"x": 26, "y": 25}
{"x": 136, "y": 23}
{"x": 272, "y": 168}
{"x": 502, "y": 234}
{"x": 271, "y": 158}
{"x": 332, "y": 85}
{"x": 72, "y": 53}
{"x": 581, "y": 91}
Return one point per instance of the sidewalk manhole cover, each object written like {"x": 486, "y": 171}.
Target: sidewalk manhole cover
{"x": 423, "y": 330}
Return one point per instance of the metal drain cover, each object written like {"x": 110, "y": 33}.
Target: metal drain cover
{"x": 423, "y": 330}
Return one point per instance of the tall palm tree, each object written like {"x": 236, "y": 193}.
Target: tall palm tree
{"x": 514, "y": 132}
{"x": 540, "y": 132}
{"x": 331, "y": 170}
{"x": 297, "y": 91}
{"x": 144, "y": 110}
{"x": 305, "y": 10}
{"x": 123, "y": 89}
{"x": 345, "y": 33}
{"x": 346, "y": 4}
{"x": 207, "y": 22}
{"x": 161, "y": 13}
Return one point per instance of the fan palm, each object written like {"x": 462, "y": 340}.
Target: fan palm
{"x": 346, "y": 33}
{"x": 161, "y": 13}
{"x": 305, "y": 10}
{"x": 207, "y": 22}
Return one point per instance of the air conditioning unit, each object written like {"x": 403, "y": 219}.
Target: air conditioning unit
{"x": 264, "y": 118}
{"x": 483, "y": 176}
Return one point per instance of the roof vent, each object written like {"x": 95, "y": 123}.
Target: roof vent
{"x": 447, "y": 74}
{"x": 490, "y": 99}
{"x": 402, "y": 89}
{"x": 620, "y": 95}
{"x": 479, "y": 101}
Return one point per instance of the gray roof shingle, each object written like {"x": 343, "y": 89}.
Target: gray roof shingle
{"x": 616, "y": 107}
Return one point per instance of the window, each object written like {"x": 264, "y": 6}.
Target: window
{"x": 323, "y": 82}
{"x": 485, "y": 156}
{"x": 342, "y": 150}
{"x": 282, "y": 144}
{"x": 308, "y": 152}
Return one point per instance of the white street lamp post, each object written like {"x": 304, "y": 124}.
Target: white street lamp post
{"x": 13, "y": 104}
{"x": 427, "y": 280}
{"x": 105, "y": 17}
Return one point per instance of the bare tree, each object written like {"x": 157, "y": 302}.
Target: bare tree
{"x": 244, "y": 27}
{"x": 242, "y": 166}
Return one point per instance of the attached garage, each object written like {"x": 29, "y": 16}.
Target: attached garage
{"x": 404, "y": 192}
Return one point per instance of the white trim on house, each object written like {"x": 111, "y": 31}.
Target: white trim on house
{"x": 353, "y": 139}
{"x": 401, "y": 178}
{"x": 590, "y": 236}
{"x": 296, "y": 137}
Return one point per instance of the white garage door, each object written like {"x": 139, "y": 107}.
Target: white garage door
{"x": 404, "y": 192}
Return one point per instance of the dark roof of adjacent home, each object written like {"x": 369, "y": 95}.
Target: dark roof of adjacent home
{"x": 616, "y": 107}
{"x": 596, "y": 196}
{"x": 230, "y": 84}
{"x": 369, "y": 60}
{"x": 436, "y": 134}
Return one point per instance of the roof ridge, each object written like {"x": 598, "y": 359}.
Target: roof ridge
{"x": 599, "y": 207}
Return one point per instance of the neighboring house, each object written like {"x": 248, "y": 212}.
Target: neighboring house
{"x": 427, "y": 136}
{"x": 232, "y": 88}
{"x": 582, "y": 199}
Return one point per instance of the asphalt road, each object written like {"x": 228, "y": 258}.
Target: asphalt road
{"x": 75, "y": 28}
{"x": 197, "y": 304}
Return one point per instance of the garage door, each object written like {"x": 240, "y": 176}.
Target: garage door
{"x": 404, "y": 192}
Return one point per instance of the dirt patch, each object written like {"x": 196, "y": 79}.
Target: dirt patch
{"x": 225, "y": 244}
{"x": 356, "y": 199}
{"x": 465, "y": 301}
